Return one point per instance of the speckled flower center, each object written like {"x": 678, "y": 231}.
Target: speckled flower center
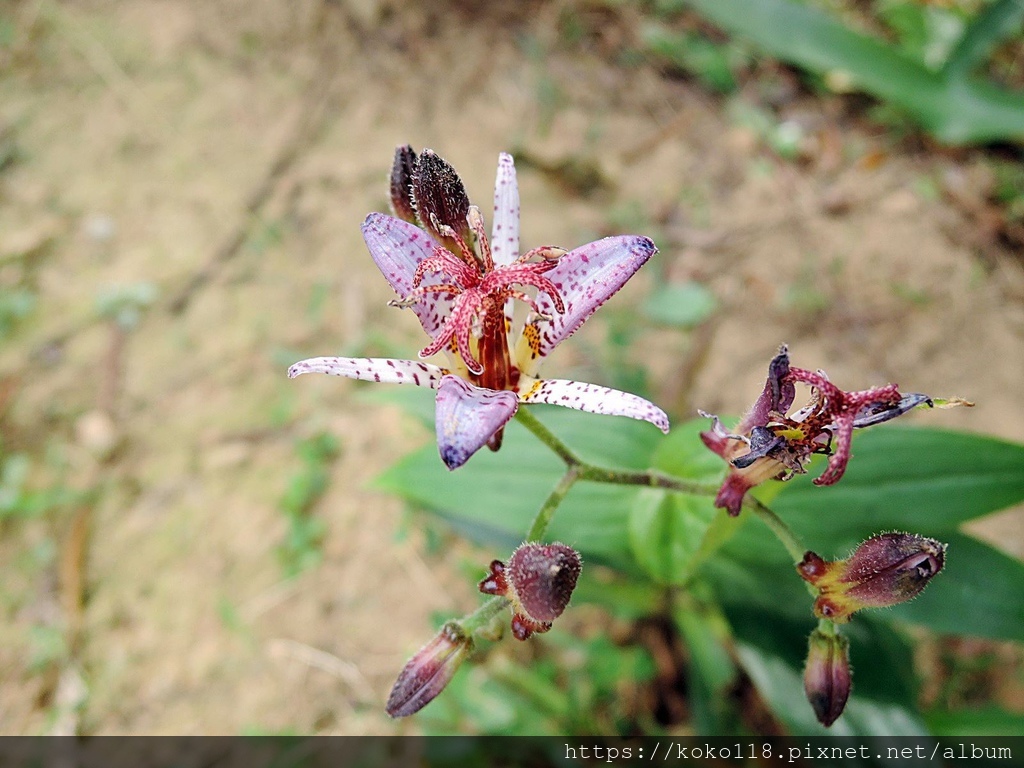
{"x": 479, "y": 291}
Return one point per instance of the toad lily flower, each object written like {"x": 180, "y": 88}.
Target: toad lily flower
{"x": 462, "y": 286}
{"x": 768, "y": 443}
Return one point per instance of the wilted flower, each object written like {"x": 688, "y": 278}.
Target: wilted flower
{"x": 538, "y": 581}
{"x": 885, "y": 570}
{"x": 768, "y": 443}
{"x": 427, "y": 673}
{"x": 827, "y": 675}
{"x": 462, "y": 286}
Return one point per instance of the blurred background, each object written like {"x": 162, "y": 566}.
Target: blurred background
{"x": 192, "y": 543}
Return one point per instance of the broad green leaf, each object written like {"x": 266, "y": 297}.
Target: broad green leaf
{"x": 925, "y": 481}
{"x": 683, "y": 454}
{"x": 954, "y": 109}
{"x": 624, "y": 598}
{"x": 993, "y": 25}
{"x": 772, "y": 651}
{"x": 666, "y": 531}
{"x": 712, "y": 671}
{"x": 681, "y": 305}
{"x": 711, "y": 63}
{"x": 987, "y": 721}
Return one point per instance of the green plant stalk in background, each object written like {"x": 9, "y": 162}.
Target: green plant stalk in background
{"x": 952, "y": 103}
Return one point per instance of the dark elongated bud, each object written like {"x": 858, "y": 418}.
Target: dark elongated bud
{"x": 885, "y": 570}
{"x": 402, "y": 171}
{"x": 427, "y": 673}
{"x": 538, "y": 580}
{"x": 441, "y": 200}
{"x": 827, "y": 675}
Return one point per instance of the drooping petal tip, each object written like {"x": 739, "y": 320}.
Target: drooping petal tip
{"x": 467, "y": 417}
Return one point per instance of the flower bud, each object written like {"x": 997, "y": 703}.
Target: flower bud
{"x": 401, "y": 184}
{"x": 827, "y": 675}
{"x": 427, "y": 673}
{"x": 538, "y": 581}
{"x": 441, "y": 200}
{"x": 885, "y": 570}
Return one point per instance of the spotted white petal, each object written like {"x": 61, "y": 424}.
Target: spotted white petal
{"x": 505, "y": 226}
{"x": 397, "y": 247}
{"x": 372, "y": 369}
{"x": 595, "y": 399}
{"x": 585, "y": 277}
{"x": 467, "y": 417}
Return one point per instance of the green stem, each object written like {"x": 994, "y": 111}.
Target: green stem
{"x": 551, "y": 503}
{"x": 777, "y": 526}
{"x": 482, "y": 616}
{"x": 547, "y": 437}
{"x": 651, "y": 478}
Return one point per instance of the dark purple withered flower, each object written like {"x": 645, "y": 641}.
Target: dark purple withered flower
{"x": 462, "y": 284}
{"x": 772, "y": 443}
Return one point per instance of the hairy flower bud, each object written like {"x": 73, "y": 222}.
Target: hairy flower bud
{"x": 442, "y": 202}
{"x": 538, "y": 580}
{"x": 827, "y": 675}
{"x": 427, "y": 673}
{"x": 402, "y": 171}
{"x": 885, "y": 570}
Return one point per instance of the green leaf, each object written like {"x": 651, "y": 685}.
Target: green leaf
{"x": 926, "y": 481}
{"x": 712, "y": 671}
{"x": 954, "y": 109}
{"x": 994, "y": 24}
{"x": 681, "y": 305}
{"x": 988, "y": 721}
{"x": 665, "y": 532}
{"x": 683, "y": 454}
{"x": 711, "y": 63}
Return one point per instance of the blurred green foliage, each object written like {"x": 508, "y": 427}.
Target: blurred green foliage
{"x": 930, "y": 68}
{"x": 301, "y": 547}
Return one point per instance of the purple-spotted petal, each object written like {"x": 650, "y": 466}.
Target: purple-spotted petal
{"x": 595, "y": 399}
{"x": 372, "y": 369}
{"x": 467, "y": 417}
{"x": 505, "y": 227}
{"x": 397, "y": 247}
{"x": 585, "y": 277}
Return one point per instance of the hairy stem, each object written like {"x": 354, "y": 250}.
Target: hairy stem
{"x": 651, "y": 478}
{"x": 551, "y": 503}
{"x": 547, "y": 437}
{"x": 777, "y": 526}
{"x": 482, "y": 616}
